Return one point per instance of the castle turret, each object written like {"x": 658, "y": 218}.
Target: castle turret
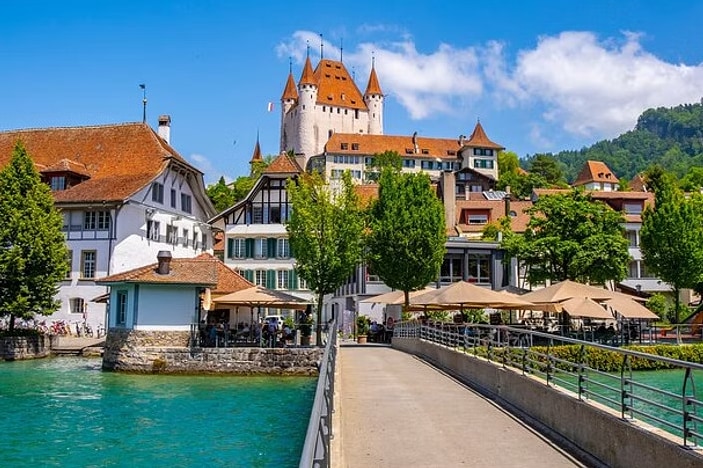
{"x": 373, "y": 97}
{"x": 256, "y": 156}
{"x": 288, "y": 101}
{"x": 307, "y": 97}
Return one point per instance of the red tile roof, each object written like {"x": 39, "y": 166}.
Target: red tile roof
{"x": 66, "y": 165}
{"x": 372, "y": 144}
{"x": 495, "y": 209}
{"x": 307, "y": 77}
{"x": 256, "y": 156}
{"x": 637, "y": 184}
{"x": 182, "y": 271}
{"x": 373, "y": 87}
{"x": 228, "y": 280}
{"x": 290, "y": 91}
{"x": 120, "y": 159}
{"x": 595, "y": 171}
{"x": 479, "y": 139}
{"x": 283, "y": 164}
{"x": 335, "y": 86}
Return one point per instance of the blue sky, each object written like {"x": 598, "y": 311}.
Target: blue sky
{"x": 541, "y": 76}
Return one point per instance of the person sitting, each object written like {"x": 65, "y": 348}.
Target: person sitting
{"x": 287, "y": 334}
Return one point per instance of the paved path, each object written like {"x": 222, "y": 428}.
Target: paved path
{"x": 395, "y": 410}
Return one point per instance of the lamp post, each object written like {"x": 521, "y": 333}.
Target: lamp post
{"x": 143, "y": 87}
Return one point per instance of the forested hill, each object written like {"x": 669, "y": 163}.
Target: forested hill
{"x": 670, "y": 137}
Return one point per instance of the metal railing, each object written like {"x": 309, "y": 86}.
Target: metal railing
{"x": 583, "y": 371}
{"x": 316, "y": 450}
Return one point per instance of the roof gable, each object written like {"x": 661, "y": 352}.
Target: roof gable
{"x": 373, "y": 87}
{"x": 185, "y": 271}
{"x": 479, "y": 139}
{"x": 120, "y": 159}
{"x": 336, "y": 87}
{"x": 283, "y": 164}
{"x": 595, "y": 171}
{"x": 405, "y": 146}
{"x": 290, "y": 91}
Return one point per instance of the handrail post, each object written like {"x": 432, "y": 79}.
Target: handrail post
{"x": 581, "y": 371}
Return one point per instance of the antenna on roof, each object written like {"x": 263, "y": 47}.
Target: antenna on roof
{"x": 143, "y": 87}
{"x": 290, "y": 65}
{"x": 307, "y": 44}
{"x": 322, "y": 44}
{"x": 373, "y": 58}
{"x": 341, "y": 52}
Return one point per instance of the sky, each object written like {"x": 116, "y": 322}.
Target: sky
{"x": 541, "y": 76}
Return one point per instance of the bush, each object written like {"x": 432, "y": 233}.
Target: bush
{"x": 362, "y": 325}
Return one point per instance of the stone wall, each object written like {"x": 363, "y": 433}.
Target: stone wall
{"x": 24, "y": 347}
{"x": 168, "y": 353}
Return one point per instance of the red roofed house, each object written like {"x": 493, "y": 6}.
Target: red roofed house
{"x": 596, "y": 175}
{"x": 125, "y": 194}
{"x": 255, "y": 238}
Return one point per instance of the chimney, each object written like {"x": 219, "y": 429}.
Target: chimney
{"x": 164, "y": 258}
{"x": 449, "y": 194}
{"x": 462, "y": 140}
{"x": 416, "y": 146}
{"x": 165, "y": 128}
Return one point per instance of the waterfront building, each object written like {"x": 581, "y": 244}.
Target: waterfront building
{"x": 125, "y": 194}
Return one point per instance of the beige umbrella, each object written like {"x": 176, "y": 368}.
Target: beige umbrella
{"x": 465, "y": 295}
{"x": 630, "y": 309}
{"x": 258, "y": 296}
{"x": 585, "y": 307}
{"x": 552, "y": 297}
{"x": 395, "y": 297}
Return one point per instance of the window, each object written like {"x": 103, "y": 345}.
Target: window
{"x": 632, "y": 270}
{"x": 157, "y": 192}
{"x": 645, "y": 272}
{"x": 483, "y": 163}
{"x": 283, "y": 279}
{"x": 275, "y": 216}
{"x": 344, "y": 146}
{"x": 261, "y": 248}
{"x": 283, "y": 250}
{"x": 355, "y": 146}
{"x": 173, "y": 198}
{"x": 258, "y": 215}
{"x": 58, "y": 183}
{"x": 260, "y": 277}
{"x": 153, "y": 230}
{"x": 238, "y": 247}
{"x": 77, "y": 305}
{"x": 632, "y": 238}
{"x": 203, "y": 241}
{"x": 88, "y": 264}
{"x": 103, "y": 220}
{"x": 409, "y": 163}
{"x": 479, "y": 268}
{"x": 632, "y": 208}
{"x": 186, "y": 234}
{"x": 477, "y": 218}
{"x": 69, "y": 260}
{"x": 186, "y": 201}
{"x": 89, "y": 218}
{"x": 171, "y": 234}
{"x": 302, "y": 284}
{"x": 121, "y": 308}
{"x": 483, "y": 152}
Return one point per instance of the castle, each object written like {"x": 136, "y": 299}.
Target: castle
{"x": 327, "y": 101}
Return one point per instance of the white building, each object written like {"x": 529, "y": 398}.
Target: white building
{"x": 324, "y": 102}
{"x": 125, "y": 194}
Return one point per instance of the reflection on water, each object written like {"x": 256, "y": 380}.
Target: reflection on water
{"x": 67, "y": 412}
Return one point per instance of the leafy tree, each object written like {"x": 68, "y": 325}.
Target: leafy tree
{"x": 325, "y": 231}
{"x": 406, "y": 246}
{"x": 380, "y": 160}
{"x": 548, "y": 167}
{"x": 571, "y": 236}
{"x": 221, "y": 195}
{"x": 659, "y": 304}
{"x": 672, "y": 239}
{"x": 224, "y": 195}
{"x": 32, "y": 246}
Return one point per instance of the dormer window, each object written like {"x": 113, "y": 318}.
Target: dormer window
{"x": 58, "y": 183}
{"x": 355, "y": 146}
{"x": 344, "y": 146}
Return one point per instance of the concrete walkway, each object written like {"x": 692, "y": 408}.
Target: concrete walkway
{"x": 394, "y": 410}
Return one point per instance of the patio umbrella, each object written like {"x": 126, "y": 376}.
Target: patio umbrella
{"x": 258, "y": 296}
{"x": 394, "y": 297}
{"x": 630, "y": 309}
{"x": 585, "y": 307}
{"x": 552, "y": 297}
{"x": 465, "y": 295}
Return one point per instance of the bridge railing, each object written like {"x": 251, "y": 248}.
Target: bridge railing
{"x": 586, "y": 370}
{"x": 316, "y": 450}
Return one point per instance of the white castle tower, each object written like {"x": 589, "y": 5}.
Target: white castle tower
{"x": 327, "y": 101}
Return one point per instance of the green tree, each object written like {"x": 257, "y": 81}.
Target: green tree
{"x": 380, "y": 160}
{"x": 547, "y": 167}
{"x": 573, "y": 237}
{"x": 32, "y": 247}
{"x": 406, "y": 246}
{"x": 221, "y": 195}
{"x": 325, "y": 230}
{"x": 671, "y": 239}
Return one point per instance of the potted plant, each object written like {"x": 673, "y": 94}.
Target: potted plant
{"x": 362, "y": 328}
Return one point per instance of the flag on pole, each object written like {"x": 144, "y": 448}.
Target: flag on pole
{"x": 270, "y": 106}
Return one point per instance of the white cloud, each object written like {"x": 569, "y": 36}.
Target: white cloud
{"x": 599, "y": 88}
{"x": 203, "y": 164}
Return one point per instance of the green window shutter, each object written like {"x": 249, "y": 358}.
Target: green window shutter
{"x": 293, "y": 280}
{"x": 249, "y": 274}
{"x": 230, "y": 248}
{"x": 291, "y": 254}
{"x": 249, "y": 248}
{"x": 273, "y": 247}
{"x": 271, "y": 279}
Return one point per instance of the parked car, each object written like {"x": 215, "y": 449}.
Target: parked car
{"x": 277, "y": 319}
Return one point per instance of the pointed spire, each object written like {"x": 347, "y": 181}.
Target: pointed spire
{"x": 479, "y": 138}
{"x": 290, "y": 91}
{"x": 307, "y": 76}
{"x": 373, "y": 87}
{"x": 256, "y": 156}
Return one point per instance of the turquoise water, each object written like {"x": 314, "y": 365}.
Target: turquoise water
{"x": 67, "y": 412}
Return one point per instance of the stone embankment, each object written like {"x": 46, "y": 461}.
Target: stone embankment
{"x": 24, "y": 347}
{"x": 168, "y": 352}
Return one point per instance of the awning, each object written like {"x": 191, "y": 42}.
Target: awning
{"x": 394, "y": 297}
{"x": 585, "y": 307}
{"x": 630, "y": 309}
{"x": 258, "y": 296}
